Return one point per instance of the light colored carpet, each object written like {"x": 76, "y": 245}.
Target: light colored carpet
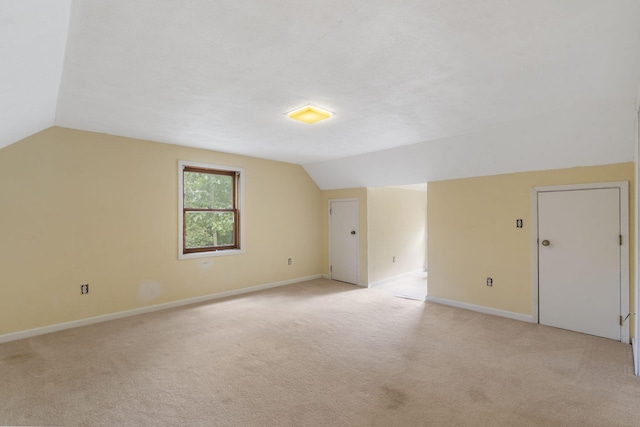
{"x": 412, "y": 286}
{"x": 318, "y": 353}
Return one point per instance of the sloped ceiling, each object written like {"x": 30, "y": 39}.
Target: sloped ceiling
{"x": 33, "y": 35}
{"x": 422, "y": 89}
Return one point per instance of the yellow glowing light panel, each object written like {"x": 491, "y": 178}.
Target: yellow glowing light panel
{"x": 309, "y": 114}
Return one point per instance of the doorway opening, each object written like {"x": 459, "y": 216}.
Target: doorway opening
{"x": 412, "y": 286}
{"x": 397, "y": 234}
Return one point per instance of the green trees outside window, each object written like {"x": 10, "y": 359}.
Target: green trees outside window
{"x": 210, "y": 213}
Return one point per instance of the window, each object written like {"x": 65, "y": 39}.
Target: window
{"x": 210, "y": 210}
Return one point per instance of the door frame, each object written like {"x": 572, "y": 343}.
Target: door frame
{"x": 636, "y": 260}
{"x": 357, "y": 231}
{"x": 623, "y": 186}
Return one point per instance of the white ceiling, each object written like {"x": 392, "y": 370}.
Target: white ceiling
{"x": 33, "y": 34}
{"x": 422, "y": 89}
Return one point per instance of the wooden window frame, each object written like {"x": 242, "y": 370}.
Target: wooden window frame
{"x": 238, "y": 183}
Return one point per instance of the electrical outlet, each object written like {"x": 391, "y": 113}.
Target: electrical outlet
{"x": 290, "y": 261}
{"x": 489, "y": 281}
{"x": 84, "y": 289}
{"x": 394, "y": 259}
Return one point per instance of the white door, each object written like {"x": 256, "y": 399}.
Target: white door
{"x": 579, "y": 260}
{"x": 344, "y": 238}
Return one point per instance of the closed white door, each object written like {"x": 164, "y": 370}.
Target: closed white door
{"x": 579, "y": 260}
{"x": 344, "y": 236}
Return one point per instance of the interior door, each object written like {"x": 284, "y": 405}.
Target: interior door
{"x": 344, "y": 237}
{"x": 579, "y": 256}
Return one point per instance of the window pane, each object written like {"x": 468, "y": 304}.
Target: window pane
{"x": 207, "y": 229}
{"x": 208, "y": 191}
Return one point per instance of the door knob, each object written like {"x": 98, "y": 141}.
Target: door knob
{"x": 546, "y": 243}
{"x": 353, "y": 232}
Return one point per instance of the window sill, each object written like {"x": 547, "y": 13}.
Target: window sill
{"x": 211, "y": 254}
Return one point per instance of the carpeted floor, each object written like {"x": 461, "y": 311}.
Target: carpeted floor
{"x": 412, "y": 286}
{"x": 318, "y": 353}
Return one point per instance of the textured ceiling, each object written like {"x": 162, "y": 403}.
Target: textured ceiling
{"x": 33, "y": 34}
{"x": 435, "y": 75}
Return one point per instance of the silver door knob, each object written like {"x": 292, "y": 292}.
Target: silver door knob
{"x": 546, "y": 243}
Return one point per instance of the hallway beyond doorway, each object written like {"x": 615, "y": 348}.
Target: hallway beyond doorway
{"x": 412, "y": 286}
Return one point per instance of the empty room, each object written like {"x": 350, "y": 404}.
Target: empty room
{"x": 338, "y": 213}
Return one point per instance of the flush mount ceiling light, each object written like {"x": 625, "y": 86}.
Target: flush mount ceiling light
{"x": 309, "y": 114}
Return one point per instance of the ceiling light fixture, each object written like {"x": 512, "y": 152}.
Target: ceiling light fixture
{"x": 309, "y": 114}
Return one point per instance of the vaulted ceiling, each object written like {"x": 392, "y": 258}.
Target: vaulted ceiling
{"x": 422, "y": 89}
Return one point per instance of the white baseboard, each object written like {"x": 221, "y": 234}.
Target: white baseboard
{"x": 13, "y": 336}
{"x": 482, "y": 309}
{"x": 391, "y": 279}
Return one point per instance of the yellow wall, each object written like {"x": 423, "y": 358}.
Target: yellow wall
{"x": 472, "y": 234}
{"x": 349, "y": 193}
{"x": 397, "y": 221}
{"x": 80, "y": 207}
